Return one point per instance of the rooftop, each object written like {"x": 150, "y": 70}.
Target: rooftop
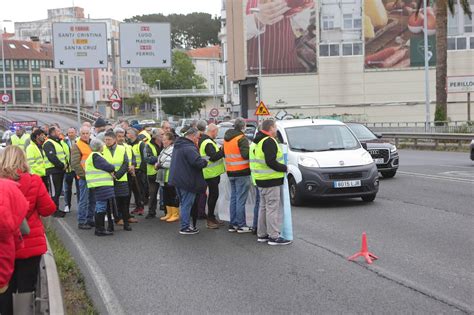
{"x": 212, "y": 52}
{"x": 19, "y": 49}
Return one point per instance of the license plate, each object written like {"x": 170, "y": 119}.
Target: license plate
{"x": 379, "y": 161}
{"x": 347, "y": 183}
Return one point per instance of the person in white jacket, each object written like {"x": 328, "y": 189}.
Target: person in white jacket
{"x": 170, "y": 198}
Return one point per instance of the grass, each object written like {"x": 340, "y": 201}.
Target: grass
{"x": 76, "y": 299}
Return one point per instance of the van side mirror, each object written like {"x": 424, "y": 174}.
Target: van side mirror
{"x": 364, "y": 145}
{"x": 378, "y": 135}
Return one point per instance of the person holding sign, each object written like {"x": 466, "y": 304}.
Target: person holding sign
{"x": 269, "y": 170}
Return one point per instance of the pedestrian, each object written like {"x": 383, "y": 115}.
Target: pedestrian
{"x": 145, "y": 134}
{"x": 20, "y": 138}
{"x": 13, "y": 166}
{"x": 186, "y": 176}
{"x": 170, "y": 199}
{"x": 236, "y": 149}
{"x": 121, "y": 140}
{"x": 99, "y": 176}
{"x": 117, "y": 156}
{"x": 138, "y": 149}
{"x": 99, "y": 128}
{"x": 211, "y": 152}
{"x": 70, "y": 176}
{"x": 269, "y": 172}
{"x": 80, "y": 151}
{"x": 35, "y": 156}
{"x": 56, "y": 166}
{"x": 257, "y": 194}
{"x": 13, "y": 209}
{"x": 152, "y": 150}
{"x": 166, "y": 126}
{"x": 200, "y": 201}
{"x": 124, "y": 124}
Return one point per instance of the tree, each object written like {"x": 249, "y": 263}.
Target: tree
{"x": 180, "y": 76}
{"x": 137, "y": 100}
{"x": 193, "y": 30}
{"x": 442, "y": 7}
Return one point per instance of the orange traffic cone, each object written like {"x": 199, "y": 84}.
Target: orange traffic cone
{"x": 364, "y": 251}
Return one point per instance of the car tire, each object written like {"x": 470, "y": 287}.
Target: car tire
{"x": 389, "y": 174}
{"x": 295, "y": 196}
{"x": 369, "y": 198}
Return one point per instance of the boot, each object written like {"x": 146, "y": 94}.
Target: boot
{"x": 125, "y": 216}
{"x": 174, "y": 215}
{"x": 100, "y": 225}
{"x": 168, "y": 214}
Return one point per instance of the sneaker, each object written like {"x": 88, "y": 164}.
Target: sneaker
{"x": 140, "y": 211}
{"x": 220, "y": 222}
{"x": 278, "y": 241}
{"x": 263, "y": 239}
{"x": 232, "y": 228}
{"x": 244, "y": 229}
{"x": 91, "y": 223}
{"x": 189, "y": 231}
{"x": 212, "y": 225}
{"x": 82, "y": 226}
{"x": 119, "y": 222}
{"x": 67, "y": 209}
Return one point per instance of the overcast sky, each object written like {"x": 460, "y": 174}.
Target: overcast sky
{"x": 30, "y": 10}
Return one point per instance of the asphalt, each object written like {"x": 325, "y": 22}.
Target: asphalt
{"x": 43, "y": 118}
{"x": 420, "y": 226}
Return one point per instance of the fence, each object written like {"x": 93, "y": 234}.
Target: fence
{"x": 431, "y": 140}
{"x": 419, "y": 127}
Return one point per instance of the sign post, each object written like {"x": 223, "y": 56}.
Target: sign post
{"x": 5, "y": 100}
{"x": 462, "y": 84}
{"x": 116, "y": 100}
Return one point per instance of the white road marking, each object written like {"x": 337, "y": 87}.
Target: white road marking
{"x": 108, "y": 296}
{"x": 438, "y": 177}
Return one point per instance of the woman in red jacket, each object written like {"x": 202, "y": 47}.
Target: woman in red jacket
{"x": 13, "y": 165}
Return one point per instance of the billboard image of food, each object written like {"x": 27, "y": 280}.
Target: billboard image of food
{"x": 287, "y": 32}
{"x": 393, "y": 33}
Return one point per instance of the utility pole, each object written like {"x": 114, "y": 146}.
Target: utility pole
{"x": 428, "y": 55}
{"x": 3, "y": 67}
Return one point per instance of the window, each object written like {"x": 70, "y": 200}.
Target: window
{"x": 334, "y": 50}
{"x": 35, "y": 64}
{"x": 471, "y": 42}
{"x": 23, "y": 96}
{"x": 350, "y": 23}
{"x": 37, "y": 96}
{"x": 328, "y": 22}
{"x": 468, "y": 28}
{"x": 457, "y": 43}
{"x": 36, "y": 80}
{"x": 20, "y": 64}
{"x": 8, "y": 79}
{"x": 22, "y": 80}
{"x": 7, "y": 65}
{"x": 351, "y": 49}
{"x": 452, "y": 24}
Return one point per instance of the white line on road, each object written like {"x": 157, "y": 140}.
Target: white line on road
{"x": 111, "y": 302}
{"x": 427, "y": 176}
{"x": 458, "y": 166}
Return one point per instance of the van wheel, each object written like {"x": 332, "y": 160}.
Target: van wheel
{"x": 295, "y": 196}
{"x": 389, "y": 174}
{"x": 369, "y": 198}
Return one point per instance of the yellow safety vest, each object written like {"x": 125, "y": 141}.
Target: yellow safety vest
{"x": 147, "y": 136}
{"x": 116, "y": 160}
{"x": 128, "y": 150}
{"x": 96, "y": 177}
{"x": 213, "y": 169}
{"x": 36, "y": 160}
{"x": 67, "y": 153}
{"x": 253, "y": 145}
{"x": 60, "y": 153}
{"x": 150, "y": 169}
{"x": 261, "y": 170}
{"x": 137, "y": 153}
{"x": 21, "y": 142}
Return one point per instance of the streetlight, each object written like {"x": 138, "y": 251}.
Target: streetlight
{"x": 259, "y": 91}
{"x": 158, "y": 100}
{"x": 4, "y": 30}
{"x": 428, "y": 55}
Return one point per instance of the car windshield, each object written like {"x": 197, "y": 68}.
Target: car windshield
{"x": 362, "y": 132}
{"x": 321, "y": 138}
{"x": 222, "y": 131}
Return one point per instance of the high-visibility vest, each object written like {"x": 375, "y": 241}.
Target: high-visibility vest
{"x": 253, "y": 145}
{"x": 261, "y": 170}
{"x": 147, "y": 136}
{"x": 96, "y": 177}
{"x": 150, "y": 169}
{"x": 213, "y": 169}
{"x": 116, "y": 160}
{"x": 233, "y": 159}
{"x": 85, "y": 150}
{"x": 67, "y": 153}
{"x": 36, "y": 160}
{"x": 128, "y": 150}
{"x": 137, "y": 153}
{"x": 59, "y": 153}
{"x": 21, "y": 142}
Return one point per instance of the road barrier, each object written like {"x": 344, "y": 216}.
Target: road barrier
{"x": 67, "y": 110}
{"x": 419, "y": 127}
{"x": 430, "y": 140}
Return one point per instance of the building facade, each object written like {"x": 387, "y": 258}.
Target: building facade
{"x": 361, "y": 58}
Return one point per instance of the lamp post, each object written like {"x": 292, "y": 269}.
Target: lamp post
{"x": 3, "y": 67}
{"x": 428, "y": 55}
{"x": 259, "y": 91}
{"x": 158, "y": 100}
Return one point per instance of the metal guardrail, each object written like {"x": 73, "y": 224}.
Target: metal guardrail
{"x": 68, "y": 110}
{"x": 185, "y": 93}
{"x": 435, "y": 127}
{"x": 430, "y": 139}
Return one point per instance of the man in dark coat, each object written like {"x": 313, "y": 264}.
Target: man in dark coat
{"x": 186, "y": 175}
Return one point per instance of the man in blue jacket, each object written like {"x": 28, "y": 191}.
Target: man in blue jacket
{"x": 186, "y": 176}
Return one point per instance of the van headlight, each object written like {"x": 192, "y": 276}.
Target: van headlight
{"x": 307, "y": 162}
{"x": 393, "y": 149}
{"x": 367, "y": 158}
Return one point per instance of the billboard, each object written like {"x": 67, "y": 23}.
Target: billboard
{"x": 287, "y": 30}
{"x": 80, "y": 45}
{"x": 393, "y": 34}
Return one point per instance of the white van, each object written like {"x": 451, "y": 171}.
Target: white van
{"x": 326, "y": 160}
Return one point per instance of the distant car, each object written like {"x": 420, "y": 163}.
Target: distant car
{"x": 223, "y": 127}
{"x": 182, "y": 123}
{"x": 384, "y": 153}
{"x": 472, "y": 150}
{"x": 147, "y": 122}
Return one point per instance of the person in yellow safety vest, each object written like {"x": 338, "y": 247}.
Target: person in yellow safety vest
{"x": 269, "y": 172}
{"x": 170, "y": 198}
{"x": 35, "y": 155}
{"x": 211, "y": 152}
{"x": 80, "y": 151}
{"x": 145, "y": 134}
{"x": 100, "y": 180}
{"x": 253, "y": 145}
{"x": 117, "y": 156}
{"x": 20, "y": 138}
{"x": 153, "y": 149}
{"x": 56, "y": 164}
{"x": 131, "y": 179}
{"x": 141, "y": 183}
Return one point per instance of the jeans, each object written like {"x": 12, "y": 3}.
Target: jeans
{"x": 101, "y": 206}
{"x": 239, "y": 191}
{"x": 186, "y": 200}
{"x": 68, "y": 179}
{"x": 86, "y": 209}
{"x": 255, "y": 209}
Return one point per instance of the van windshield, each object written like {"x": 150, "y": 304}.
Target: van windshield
{"x": 321, "y": 138}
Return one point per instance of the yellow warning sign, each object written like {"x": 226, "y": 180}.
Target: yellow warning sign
{"x": 262, "y": 110}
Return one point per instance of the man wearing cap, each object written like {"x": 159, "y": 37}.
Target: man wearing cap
{"x": 186, "y": 176}
{"x": 152, "y": 150}
{"x": 99, "y": 128}
{"x": 20, "y": 138}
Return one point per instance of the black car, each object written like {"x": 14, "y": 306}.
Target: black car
{"x": 384, "y": 153}
{"x": 472, "y": 150}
